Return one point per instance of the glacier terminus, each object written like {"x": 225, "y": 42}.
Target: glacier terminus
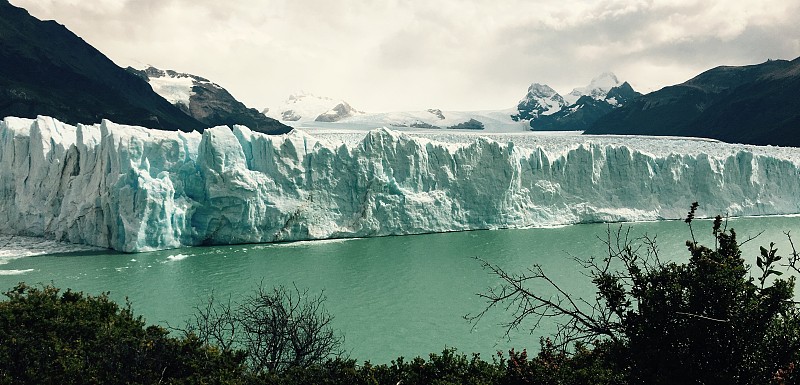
{"x": 134, "y": 189}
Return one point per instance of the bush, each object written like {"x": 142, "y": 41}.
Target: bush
{"x": 53, "y": 337}
{"x": 549, "y": 367}
{"x": 279, "y": 328}
{"x": 707, "y": 321}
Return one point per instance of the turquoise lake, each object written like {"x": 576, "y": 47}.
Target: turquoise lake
{"x": 391, "y": 296}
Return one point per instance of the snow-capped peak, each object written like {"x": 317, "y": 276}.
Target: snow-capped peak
{"x": 305, "y": 106}
{"x": 540, "y": 100}
{"x": 539, "y": 91}
{"x": 598, "y": 88}
{"x": 174, "y": 86}
{"x": 302, "y": 95}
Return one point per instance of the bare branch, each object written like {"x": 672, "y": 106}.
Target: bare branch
{"x": 576, "y": 319}
{"x": 794, "y": 259}
{"x": 751, "y": 238}
{"x": 702, "y": 317}
{"x": 278, "y": 328}
{"x": 652, "y": 250}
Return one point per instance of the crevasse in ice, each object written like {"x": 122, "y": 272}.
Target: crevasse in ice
{"x": 135, "y": 189}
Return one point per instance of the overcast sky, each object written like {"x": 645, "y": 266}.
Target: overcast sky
{"x": 382, "y": 55}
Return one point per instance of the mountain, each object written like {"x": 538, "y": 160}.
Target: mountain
{"x": 597, "y": 88}
{"x": 337, "y": 113}
{"x": 587, "y": 109}
{"x": 310, "y": 112}
{"x": 47, "y": 70}
{"x": 206, "y": 101}
{"x": 540, "y": 100}
{"x": 544, "y": 109}
{"x": 755, "y": 104}
{"x": 305, "y": 107}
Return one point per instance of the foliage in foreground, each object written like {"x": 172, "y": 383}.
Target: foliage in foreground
{"x": 53, "y": 337}
{"x": 277, "y": 328}
{"x": 451, "y": 368}
{"x": 708, "y": 321}
{"x": 713, "y": 320}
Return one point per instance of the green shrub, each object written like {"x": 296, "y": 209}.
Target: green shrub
{"x": 53, "y": 337}
{"x": 708, "y": 321}
{"x": 550, "y": 367}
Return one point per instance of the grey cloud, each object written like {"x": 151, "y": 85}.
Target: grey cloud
{"x": 612, "y": 40}
{"x": 399, "y": 54}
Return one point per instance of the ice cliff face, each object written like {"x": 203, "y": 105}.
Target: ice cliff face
{"x": 134, "y": 189}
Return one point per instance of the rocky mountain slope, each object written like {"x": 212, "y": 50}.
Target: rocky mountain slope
{"x": 755, "y": 104}
{"x": 546, "y": 110}
{"x": 47, "y": 70}
{"x": 541, "y": 100}
{"x": 586, "y": 110}
{"x": 206, "y": 101}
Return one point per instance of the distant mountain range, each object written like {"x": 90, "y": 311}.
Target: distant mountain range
{"x": 47, "y": 70}
{"x": 304, "y": 106}
{"x": 542, "y": 108}
{"x": 754, "y": 104}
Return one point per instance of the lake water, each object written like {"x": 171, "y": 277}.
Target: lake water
{"x": 392, "y": 296}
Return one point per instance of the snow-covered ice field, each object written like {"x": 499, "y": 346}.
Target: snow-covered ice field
{"x": 134, "y": 189}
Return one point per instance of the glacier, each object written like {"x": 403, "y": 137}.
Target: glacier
{"x": 134, "y": 189}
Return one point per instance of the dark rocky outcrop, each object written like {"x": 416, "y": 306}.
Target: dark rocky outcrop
{"x": 437, "y": 112}
{"x": 337, "y": 113}
{"x": 471, "y": 124}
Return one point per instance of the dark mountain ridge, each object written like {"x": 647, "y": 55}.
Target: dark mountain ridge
{"x": 213, "y": 105}
{"x": 47, "y": 70}
{"x": 754, "y": 104}
{"x": 586, "y": 110}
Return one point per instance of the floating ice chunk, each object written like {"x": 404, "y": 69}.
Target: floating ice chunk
{"x": 177, "y": 257}
{"x": 15, "y": 272}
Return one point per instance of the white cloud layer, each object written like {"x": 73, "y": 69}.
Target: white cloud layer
{"x": 416, "y": 54}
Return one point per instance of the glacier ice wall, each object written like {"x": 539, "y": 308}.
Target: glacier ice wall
{"x": 135, "y": 189}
